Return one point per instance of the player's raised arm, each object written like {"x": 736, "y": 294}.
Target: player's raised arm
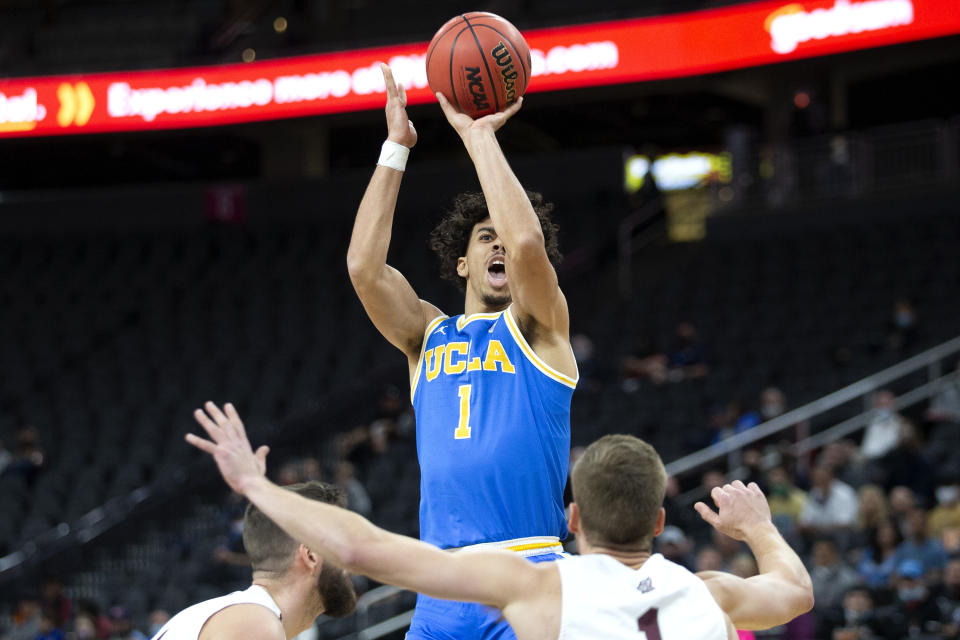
{"x": 499, "y": 579}
{"x": 532, "y": 278}
{"x": 782, "y": 590}
{"x": 387, "y": 297}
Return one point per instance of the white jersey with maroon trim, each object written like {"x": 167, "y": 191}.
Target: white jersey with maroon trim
{"x": 187, "y": 624}
{"x": 603, "y": 598}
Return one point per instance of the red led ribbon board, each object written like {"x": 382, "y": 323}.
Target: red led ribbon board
{"x": 563, "y": 58}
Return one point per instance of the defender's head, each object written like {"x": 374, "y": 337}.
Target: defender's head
{"x": 618, "y": 488}
{"x": 472, "y": 254}
{"x": 276, "y": 555}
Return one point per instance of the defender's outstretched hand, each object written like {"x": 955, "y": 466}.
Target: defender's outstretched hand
{"x": 231, "y": 450}
{"x": 462, "y": 123}
{"x": 399, "y": 127}
{"x": 742, "y": 509}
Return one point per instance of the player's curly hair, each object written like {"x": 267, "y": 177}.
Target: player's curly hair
{"x": 450, "y": 238}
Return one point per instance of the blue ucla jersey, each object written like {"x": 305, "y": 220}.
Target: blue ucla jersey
{"x": 493, "y": 434}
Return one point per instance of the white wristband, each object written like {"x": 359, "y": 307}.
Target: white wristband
{"x": 393, "y": 155}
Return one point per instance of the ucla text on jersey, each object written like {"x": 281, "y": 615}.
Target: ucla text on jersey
{"x": 493, "y": 433}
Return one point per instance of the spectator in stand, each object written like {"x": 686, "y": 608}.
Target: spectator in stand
{"x": 49, "y": 630}
{"x": 885, "y": 428}
{"x": 902, "y": 503}
{"x": 310, "y": 470}
{"x": 916, "y": 612}
{"x": 721, "y": 422}
{"x": 708, "y": 559}
{"x": 712, "y": 478}
{"x": 644, "y": 363}
{"x": 158, "y": 618}
{"x": 54, "y": 601}
{"x": 28, "y": 458}
{"x": 687, "y": 358}
{"x": 288, "y": 474}
{"x": 946, "y": 515}
{"x": 831, "y": 507}
{"x": 855, "y": 619}
{"x": 920, "y": 548}
{"x": 878, "y": 557}
{"x": 229, "y": 555}
{"x": 831, "y": 576}
{"x": 727, "y": 547}
{"x": 675, "y": 546}
{"x": 873, "y": 512}
{"x": 122, "y": 627}
{"x": 773, "y": 403}
{"x": 902, "y": 329}
{"x": 786, "y": 500}
{"x": 84, "y": 627}
{"x": 873, "y": 507}
{"x": 845, "y": 459}
{"x": 101, "y": 622}
{"x": 680, "y": 515}
{"x": 358, "y": 499}
{"x": 906, "y": 465}
{"x": 744, "y": 566}
{"x": 949, "y": 600}
{"x": 584, "y": 353}
{"x": 27, "y": 619}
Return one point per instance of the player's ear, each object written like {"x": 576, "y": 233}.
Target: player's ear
{"x": 311, "y": 560}
{"x": 661, "y": 520}
{"x": 462, "y": 267}
{"x": 573, "y": 522}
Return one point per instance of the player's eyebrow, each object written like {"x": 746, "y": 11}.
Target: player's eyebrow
{"x": 488, "y": 229}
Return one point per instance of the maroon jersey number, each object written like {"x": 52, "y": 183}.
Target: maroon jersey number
{"x": 648, "y": 624}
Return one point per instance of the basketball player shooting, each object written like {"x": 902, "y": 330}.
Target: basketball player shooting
{"x": 616, "y": 590}
{"x": 491, "y": 387}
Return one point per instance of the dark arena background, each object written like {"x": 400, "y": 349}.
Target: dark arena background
{"x": 759, "y": 213}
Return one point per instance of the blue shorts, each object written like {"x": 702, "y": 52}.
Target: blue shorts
{"x": 436, "y": 619}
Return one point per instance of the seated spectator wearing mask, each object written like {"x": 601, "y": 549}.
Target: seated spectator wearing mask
{"x": 786, "y": 501}
{"x": 885, "y": 428}
{"x": 831, "y": 507}
{"x": 914, "y": 607}
{"x": 855, "y": 619}
{"x": 946, "y": 515}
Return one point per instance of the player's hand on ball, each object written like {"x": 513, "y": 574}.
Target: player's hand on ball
{"x": 740, "y": 509}
{"x": 231, "y": 450}
{"x": 464, "y": 124}
{"x": 399, "y": 127}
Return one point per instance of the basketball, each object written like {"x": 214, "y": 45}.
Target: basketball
{"x": 479, "y": 62}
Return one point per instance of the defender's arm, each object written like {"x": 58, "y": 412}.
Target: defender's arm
{"x": 353, "y": 542}
{"x": 783, "y": 590}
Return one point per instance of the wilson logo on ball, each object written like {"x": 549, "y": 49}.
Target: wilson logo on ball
{"x": 480, "y": 62}
{"x": 509, "y": 74}
{"x": 477, "y": 91}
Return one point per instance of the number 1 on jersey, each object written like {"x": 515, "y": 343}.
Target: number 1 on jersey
{"x": 649, "y": 626}
{"x": 463, "y": 427}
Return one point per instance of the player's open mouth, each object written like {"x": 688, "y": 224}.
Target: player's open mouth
{"x": 497, "y": 272}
